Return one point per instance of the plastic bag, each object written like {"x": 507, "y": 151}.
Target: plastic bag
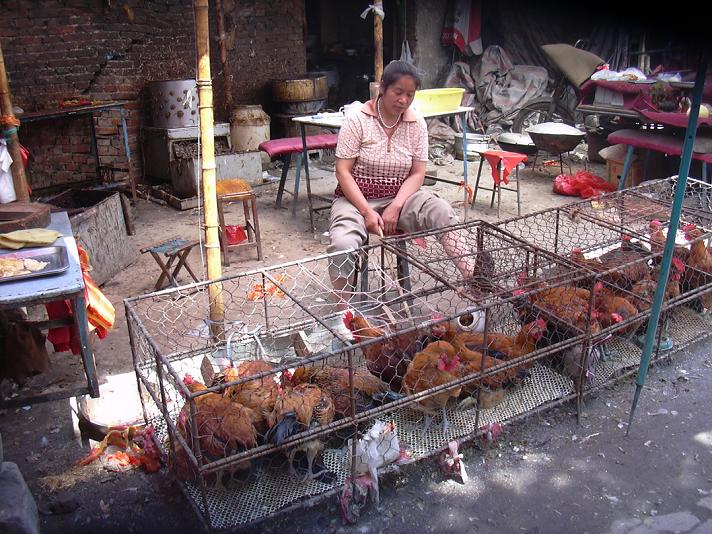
{"x": 583, "y": 184}
{"x": 405, "y": 53}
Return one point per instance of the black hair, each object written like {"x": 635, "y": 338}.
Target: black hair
{"x": 395, "y": 70}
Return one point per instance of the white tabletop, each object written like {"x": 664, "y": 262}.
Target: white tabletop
{"x": 335, "y": 119}
{"x": 53, "y": 287}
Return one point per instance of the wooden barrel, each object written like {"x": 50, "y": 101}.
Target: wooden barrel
{"x": 301, "y": 88}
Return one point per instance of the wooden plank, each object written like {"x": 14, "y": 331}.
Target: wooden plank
{"x": 101, "y": 230}
{"x": 128, "y": 217}
{"x": 176, "y": 202}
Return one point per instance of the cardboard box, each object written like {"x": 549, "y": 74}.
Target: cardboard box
{"x": 615, "y": 169}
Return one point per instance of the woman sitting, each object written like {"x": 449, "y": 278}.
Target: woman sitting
{"x": 381, "y": 157}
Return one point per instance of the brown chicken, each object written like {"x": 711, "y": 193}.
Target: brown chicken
{"x": 388, "y": 358}
{"x": 567, "y": 303}
{"x": 623, "y": 266}
{"x": 699, "y": 265}
{"x": 614, "y": 309}
{"x": 259, "y": 395}
{"x": 503, "y": 346}
{"x": 434, "y": 366}
{"x": 643, "y": 291}
{"x": 658, "y": 239}
{"x": 369, "y": 390}
{"x": 223, "y": 427}
{"x": 297, "y": 409}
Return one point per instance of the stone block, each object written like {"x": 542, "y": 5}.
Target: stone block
{"x": 18, "y": 510}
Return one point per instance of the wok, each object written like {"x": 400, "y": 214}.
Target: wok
{"x": 555, "y": 138}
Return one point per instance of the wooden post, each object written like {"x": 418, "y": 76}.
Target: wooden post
{"x": 8, "y": 126}
{"x": 226, "y": 77}
{"x": 377, "y": 42}
{"x": 208, "y": 172}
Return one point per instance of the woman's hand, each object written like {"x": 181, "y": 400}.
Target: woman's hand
{"x": 390, "y": 218}
{"x": 374, "y": 222}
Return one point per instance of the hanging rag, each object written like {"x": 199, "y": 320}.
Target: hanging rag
{"x": 463, "y": 27}
{"x": 509, "y": 161}
{"x": 100, "y": 312}
{"x": 377, "y": 11}
{"x": 7, "y": 188}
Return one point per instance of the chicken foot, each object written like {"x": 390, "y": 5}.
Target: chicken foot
{"x": 429, "y": 420}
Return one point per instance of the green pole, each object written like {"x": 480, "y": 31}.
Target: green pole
{"x": 685, "y": 161}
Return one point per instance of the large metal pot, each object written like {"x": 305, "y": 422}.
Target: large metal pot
{"x": 555, "y": 138}
{"x": 174, "y": 103}
{"x": 516, "y": 142}
{"x": 300, "y": 88}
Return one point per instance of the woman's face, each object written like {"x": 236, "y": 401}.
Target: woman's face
{"x": 399, "y": 95}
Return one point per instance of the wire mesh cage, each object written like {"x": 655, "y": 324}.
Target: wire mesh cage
{"x": 280, "y": 397}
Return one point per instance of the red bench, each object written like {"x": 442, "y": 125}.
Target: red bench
{"x": 657, "y": 142}
{"x": 284, "y": 148}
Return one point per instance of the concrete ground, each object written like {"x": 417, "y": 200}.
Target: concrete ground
{"x": 546, "y": 474}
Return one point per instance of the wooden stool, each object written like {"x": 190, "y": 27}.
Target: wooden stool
{"x": 173, "y": 249}
{"x": 239, "y": 191}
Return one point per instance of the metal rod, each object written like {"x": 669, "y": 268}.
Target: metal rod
{"x": 690, "y": 134}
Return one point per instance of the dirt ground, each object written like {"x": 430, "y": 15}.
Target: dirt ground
{"x": 533, "y": 454}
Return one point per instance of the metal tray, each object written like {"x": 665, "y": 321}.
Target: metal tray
{"x": 56, "y": 257}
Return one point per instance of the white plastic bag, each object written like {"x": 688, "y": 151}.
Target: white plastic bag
{"x": 7, "y": 188}
{"x": 406, "y": 54}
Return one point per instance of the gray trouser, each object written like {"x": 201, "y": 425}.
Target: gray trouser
{"x": 422, "y": 211}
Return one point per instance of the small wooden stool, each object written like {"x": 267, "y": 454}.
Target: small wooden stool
{"x": 238, "y": 191}
{"x": 173, "y": 249}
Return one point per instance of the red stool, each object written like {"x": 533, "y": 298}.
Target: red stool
{"x": 502, "y": 163}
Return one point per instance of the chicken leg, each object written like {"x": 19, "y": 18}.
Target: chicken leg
{"x": 446, "y": 423}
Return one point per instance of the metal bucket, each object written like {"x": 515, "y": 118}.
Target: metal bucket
{"x": 174, "y": 103}
{"x": 476, "y": 143}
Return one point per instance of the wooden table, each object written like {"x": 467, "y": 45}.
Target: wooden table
{"x": 43, "y": 289}
{"x": 89, "y": 109}
{"x": 333, "y": 121}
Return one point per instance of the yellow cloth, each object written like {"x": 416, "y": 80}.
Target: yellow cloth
{"x": 35, "y": 237}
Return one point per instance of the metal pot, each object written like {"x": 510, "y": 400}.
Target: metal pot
{"x": 174, "y": 103}
{"x": 516, "y": 142}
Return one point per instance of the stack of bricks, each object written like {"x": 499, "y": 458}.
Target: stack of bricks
{"x": 109, "y": 51}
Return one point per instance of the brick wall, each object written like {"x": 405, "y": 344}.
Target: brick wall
{"x": 100, "y": 50}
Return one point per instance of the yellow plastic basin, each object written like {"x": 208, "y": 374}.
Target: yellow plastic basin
{"x": 440, "y": 100}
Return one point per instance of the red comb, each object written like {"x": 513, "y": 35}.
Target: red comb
{"x": 541, "y": 323}
{"x": 617, "y": 317}
{"x": 688, "y": 227}
{"x": 655, "y": 222}
{"x": 678, "y": 264}
{"x": 576, "y": 250}
{"x": 188, "y": 379}
{"x": 348, "y": 317}
{"x": 518, "y": 292}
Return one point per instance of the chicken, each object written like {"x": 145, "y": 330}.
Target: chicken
{"x": 621, "y": 267}
{"x": 259, "y": 394}
{"x": 699, "y": 266}
{"x": 223, "y": 428}
{"x": 503, "y": 346}
{"x": 568, "y": 304}
{"x": 387, "y": 358}
{"x": 658, "y": 239}
{"x": 643, "y": 291}
{"x": 434, "y": 366}
{"x": 297, "y": 409}
{"x": 369, "y": 390}
{"x": 614, "y": 309}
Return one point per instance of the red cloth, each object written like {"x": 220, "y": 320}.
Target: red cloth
{"x": 509, "y": 161}
{"x": 63, "y": 338}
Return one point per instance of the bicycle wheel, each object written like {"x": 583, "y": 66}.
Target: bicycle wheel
{"x": 535, "y": 112}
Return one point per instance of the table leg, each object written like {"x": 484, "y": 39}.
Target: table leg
{"x": 286, "y": 160}
{"x": 182, "y": 258}
{"x": 256, "y": 221}
{"x": 626, "y": 168}
{"x": 464, "y": 163}
{"x": 305, "y": 156}
{"x": 125, "y": 131}
{"x": 477, "y": 181}
{"x": 297, "y": 178}
{"x": 519, "y": 209}
{"x": 80, "y": 320}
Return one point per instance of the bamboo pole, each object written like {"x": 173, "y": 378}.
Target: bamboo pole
{"x": 377, "y": 42}
{"x": 9, "y": 124}
{"x": 208, "y": 167}
{"x": 226, "y": 76}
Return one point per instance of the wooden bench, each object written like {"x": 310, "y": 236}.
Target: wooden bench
{"x": 283, "y": 149}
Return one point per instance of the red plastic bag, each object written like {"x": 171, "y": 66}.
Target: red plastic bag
{"x": 25, "y": 156}
{"x": 235, "y": 234}
{"x": 583, "y": 184}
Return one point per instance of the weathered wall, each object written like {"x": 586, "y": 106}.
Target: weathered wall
{"x": 101, "y": 50}
{"x": 430, "y": 57}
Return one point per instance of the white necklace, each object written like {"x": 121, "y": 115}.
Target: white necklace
{"x": 380, "y": 117}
